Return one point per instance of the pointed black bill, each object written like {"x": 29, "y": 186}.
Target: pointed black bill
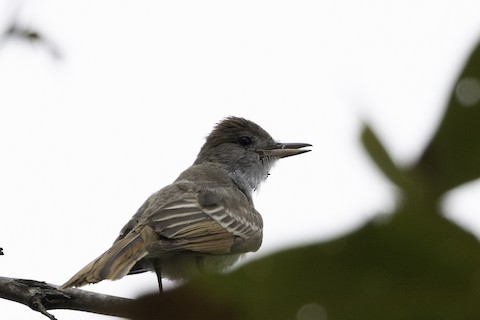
{"x": 283, "y": 150}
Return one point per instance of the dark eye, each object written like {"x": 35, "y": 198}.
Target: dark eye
{"x": 245, "y": 141}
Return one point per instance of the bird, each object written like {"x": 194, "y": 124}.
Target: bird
{"x": 205, "y": 220}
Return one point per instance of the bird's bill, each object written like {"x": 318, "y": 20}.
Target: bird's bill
{"x": 283, "y": 150}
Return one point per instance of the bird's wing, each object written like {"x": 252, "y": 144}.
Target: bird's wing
{"x": 213, "y": 221}
{"x": 135, "y": 219}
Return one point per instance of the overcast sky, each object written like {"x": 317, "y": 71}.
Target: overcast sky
{"x": 86, "y": 139}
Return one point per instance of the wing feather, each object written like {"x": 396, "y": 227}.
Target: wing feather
{"x": 186, "y": 225}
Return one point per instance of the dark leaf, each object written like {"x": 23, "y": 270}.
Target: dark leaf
{"x": 453, "y": 155}
{"x": 381, "y": 158}
{"x": 392, "y": 271}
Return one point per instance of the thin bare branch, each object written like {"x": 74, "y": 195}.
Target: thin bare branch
{"x": 41, "y": 296}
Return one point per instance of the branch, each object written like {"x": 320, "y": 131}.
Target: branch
{"x": 41, "y": 296}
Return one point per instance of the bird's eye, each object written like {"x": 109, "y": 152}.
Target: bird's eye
{"x": 245, "y": 141}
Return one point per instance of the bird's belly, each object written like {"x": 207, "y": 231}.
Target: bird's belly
{"x": 184, "y": 266}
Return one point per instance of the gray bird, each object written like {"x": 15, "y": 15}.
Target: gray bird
{"x": 205, "y": 220}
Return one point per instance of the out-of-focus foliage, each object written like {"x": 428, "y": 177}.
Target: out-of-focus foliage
{"x": 20, "y": 31}
{"x": 409, "y": 264}
{"x": 453, "y": 156}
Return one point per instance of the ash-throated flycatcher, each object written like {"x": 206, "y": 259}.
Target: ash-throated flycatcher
{"x": 205, "y": 220}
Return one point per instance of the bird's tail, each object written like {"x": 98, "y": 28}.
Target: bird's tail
{"x": 117, "y": 261}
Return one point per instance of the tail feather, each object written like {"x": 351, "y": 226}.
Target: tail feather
{"x": 117, "y": 261}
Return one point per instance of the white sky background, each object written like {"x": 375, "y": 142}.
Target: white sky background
{"x": 86, "y": 140}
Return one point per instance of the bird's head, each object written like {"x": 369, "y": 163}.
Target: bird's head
{"x": 245, "y": 150}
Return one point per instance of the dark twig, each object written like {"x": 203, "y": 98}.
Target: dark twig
{"x": 41, "y": 296}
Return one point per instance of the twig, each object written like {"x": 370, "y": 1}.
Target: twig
{"x": 41, "y": 296}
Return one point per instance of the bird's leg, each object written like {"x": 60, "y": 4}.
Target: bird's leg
{"x": 200, "y": 264}
{"x": 158, "y": 271}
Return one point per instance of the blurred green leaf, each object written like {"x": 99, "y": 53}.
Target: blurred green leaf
{"x": 381, "y": 158}
{"x": 416, "y": 266}
{"x": 453, "y": 155}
